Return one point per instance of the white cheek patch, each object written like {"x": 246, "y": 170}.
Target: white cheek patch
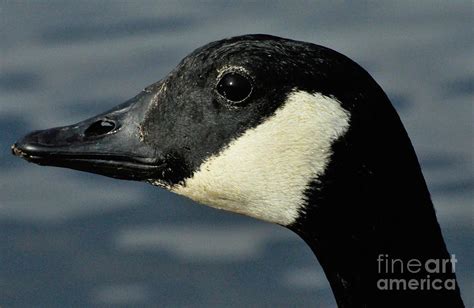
{"x": 264, "y": 172}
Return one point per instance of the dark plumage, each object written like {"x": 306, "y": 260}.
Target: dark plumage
{"x": 371, "y": 199}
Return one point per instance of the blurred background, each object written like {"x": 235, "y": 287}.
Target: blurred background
{"x": 71, "y": 239}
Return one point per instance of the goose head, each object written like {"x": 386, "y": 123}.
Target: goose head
{"x": 245, "y": 124}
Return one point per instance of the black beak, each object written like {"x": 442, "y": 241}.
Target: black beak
{"x": 109, "y": 144}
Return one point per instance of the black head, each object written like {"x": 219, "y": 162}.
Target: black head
{"x": 217, "y": 94}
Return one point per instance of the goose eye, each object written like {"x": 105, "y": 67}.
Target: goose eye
{"x": 235, "y": 87}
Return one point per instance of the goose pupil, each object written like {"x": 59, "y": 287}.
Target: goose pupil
{"x": 234, "y": 87}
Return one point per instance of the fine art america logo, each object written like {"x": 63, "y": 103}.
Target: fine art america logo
{"x": 434, "y": 268}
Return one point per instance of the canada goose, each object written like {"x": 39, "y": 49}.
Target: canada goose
{"x": 287, "y": 132}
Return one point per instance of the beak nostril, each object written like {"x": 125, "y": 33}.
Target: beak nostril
{"x": 99, "y": 128}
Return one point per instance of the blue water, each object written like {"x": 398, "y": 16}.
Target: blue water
{"x": 70, "y": 239}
